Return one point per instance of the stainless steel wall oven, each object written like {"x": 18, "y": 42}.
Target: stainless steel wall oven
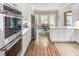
{"x": 10, "y": 29}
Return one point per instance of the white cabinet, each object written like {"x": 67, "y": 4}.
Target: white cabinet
{"x": 26, "y": 40}
{"x": 60, "y": 35}
{"x": 53, "y": 35}
{"x": 76, "y": 35}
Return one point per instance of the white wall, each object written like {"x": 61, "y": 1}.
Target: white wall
{"x": 52, "y": 20}
{"x": 67, "y": 7}
{"x": 75, "y": 12}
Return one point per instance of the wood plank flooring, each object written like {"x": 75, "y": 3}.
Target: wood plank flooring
{"x": 42, "y": 47}
{"x": 41, "y": 50}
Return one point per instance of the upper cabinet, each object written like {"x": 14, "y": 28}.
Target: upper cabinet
{"x": 26, "y": 10}
{"x": 75, "y": 12}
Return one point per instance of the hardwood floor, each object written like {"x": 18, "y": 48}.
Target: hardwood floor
{"x": 42, "y": 47}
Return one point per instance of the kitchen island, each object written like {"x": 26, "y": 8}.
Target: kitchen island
{"x": 64, "y": 34}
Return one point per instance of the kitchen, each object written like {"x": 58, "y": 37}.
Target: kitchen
{"x": 17, "y": 31}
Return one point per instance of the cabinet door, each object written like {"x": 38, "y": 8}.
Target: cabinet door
{"x": 29, "y": 36}
{"x": 26, "y": 40}
{"x": 53, "y": 35}
{"x": 60, "y": 35}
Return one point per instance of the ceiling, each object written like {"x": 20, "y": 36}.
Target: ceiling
{"x": 47, "y": 6}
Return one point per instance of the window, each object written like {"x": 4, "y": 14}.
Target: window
{"x": 44, "y": 19}
{"x": 68, "y": 18}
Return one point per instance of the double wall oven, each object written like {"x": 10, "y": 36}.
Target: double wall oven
{"x": 10, "y": 29}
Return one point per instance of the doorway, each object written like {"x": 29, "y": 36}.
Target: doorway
{"x": 43, "y": 23}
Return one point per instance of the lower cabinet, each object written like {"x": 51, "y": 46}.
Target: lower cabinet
{"x": 26, "y": 41}
{"x": 76, "y": 35}
{"x": 60, "y": 35}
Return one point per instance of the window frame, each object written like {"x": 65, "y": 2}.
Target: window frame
{"x": 65, "y": 17}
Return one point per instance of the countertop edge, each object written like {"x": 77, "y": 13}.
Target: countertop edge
{"x": 25, "y": 30}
